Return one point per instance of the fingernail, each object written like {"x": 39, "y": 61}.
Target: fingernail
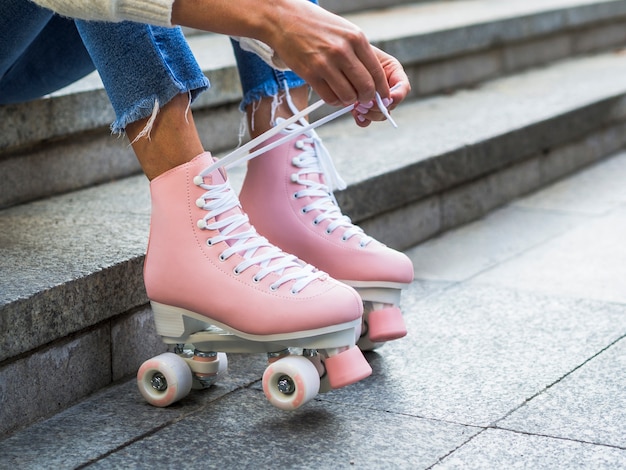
{"x": 362, "y": 109}
{"x": 387, "y": 102}
{"x": 360, "y": 117}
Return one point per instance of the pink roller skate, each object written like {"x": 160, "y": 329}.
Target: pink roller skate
{"x": 287, "y": 196}
{"x": 216, "y": 285}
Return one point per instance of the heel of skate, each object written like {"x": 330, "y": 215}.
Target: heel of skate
{"x": 382, "y": 318}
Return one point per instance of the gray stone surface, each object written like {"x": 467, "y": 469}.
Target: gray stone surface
{"x": 559, "y": 267}
{"x": 500, "y": 449}
{"x": 463, "y": 253}
{"x": 567, "y": 410}
{"x": 246, "y": 433}
{"x": 133, "y": 340}
{"x": 70, "y": 262}
{"x": 475, "y": 353}
{"x": 598, "y": 200}
{"x": 490, "y": 376}
{"x": 110, "y": 420}
{"x": 52, "y": 378}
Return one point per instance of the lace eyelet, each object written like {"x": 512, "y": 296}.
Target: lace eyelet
{"x": 315, "y": 222}
{"x": 255, "y": 279}
{"x": 294, "y": 292}
{"x": 236, "y": 272}
{"x": 296, "y": 195}
{"x": 222, "y": 257}
{"x": 328, "y": 232}
{"x": 273, "y": 288}
{"x": 304, "y": 210}
{"x": 209, "y": 242}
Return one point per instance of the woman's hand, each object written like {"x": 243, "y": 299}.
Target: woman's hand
{"x": 365, "y": 113}
{"x": 330, "y": 53}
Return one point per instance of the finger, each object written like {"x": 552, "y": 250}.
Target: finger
{"x": 324, "y": 91}
{"x": 375, "y": 72}
{"x": 360, "y": 119}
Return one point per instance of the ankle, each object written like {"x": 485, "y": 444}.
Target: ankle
{"x": 263, "y": 113}
{"x": 166, "y": 141}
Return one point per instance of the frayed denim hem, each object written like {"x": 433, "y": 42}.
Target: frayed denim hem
{"x": 150, "y": 106}
{"x": 269, "y": 88}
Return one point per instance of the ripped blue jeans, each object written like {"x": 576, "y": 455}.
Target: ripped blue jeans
{"x": 139, "y": 64}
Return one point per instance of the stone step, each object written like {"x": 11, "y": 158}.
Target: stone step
{"x": 444, "y": 45}
{"x": 73, "y": 310}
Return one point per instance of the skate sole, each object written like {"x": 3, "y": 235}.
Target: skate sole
{"x": 376, "y": 291}
{"x": 178, "y": 325}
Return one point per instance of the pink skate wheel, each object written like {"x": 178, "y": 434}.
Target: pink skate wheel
{"x": 385, "y": 325}
{"x": 347, "y": 367}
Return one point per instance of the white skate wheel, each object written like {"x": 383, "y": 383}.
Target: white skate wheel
{"x": 223, "y": 363}
{"x": 164, "y": 379}
{"x": 291, "y": 382}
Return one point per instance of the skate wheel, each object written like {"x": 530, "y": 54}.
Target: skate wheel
{"x": 291, "y": 382}
{"x": 347, "y": 367}
{"x": 385, "y": 324}
{"x": 223, "y": 363}
{"x": 164, "y": 379}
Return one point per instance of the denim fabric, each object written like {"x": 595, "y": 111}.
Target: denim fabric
{"x": 140, "y": 64}
{"x": 258, "y": 79}
{"x": 41, "y": 52}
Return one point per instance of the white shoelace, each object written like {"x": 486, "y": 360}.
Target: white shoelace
{"x": 218, "y": 200}
{"x": 315, "y": 159}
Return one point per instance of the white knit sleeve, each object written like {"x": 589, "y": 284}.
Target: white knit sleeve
{"x": 157, "y": 12}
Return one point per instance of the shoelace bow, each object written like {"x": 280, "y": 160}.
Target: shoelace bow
{"x": 220, "y": 199}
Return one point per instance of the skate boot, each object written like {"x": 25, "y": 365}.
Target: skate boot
{"x": 216, "y": 286}
{"x": 288, "y": 195}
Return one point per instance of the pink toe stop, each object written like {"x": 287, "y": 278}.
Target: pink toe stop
{"x": 385, "y": 325}
{"x": 347, "y": 367}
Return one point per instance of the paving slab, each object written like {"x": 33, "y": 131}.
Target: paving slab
{"x": 587, "y": 405}
{"x": 242, "y": 431}
{"x": 502, "y": 449}
{"x": 474, "y": 353}
{"x": 562, "y": 267}
{"x": 471, "y": 249}
{"x": 110, "y": 420}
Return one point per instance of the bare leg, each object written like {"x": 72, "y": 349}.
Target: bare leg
{"x": 173, "y": 138}
{"x": 260, "y": 113}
